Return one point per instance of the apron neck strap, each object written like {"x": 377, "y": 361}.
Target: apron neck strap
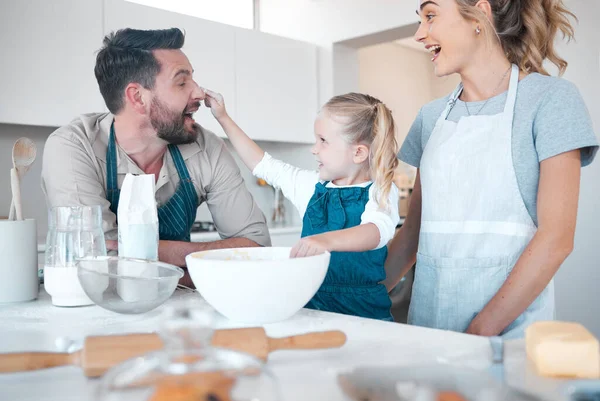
{"x": 179, "y": 162}
{"x": 111, "y": 159}
{"x": 511, "y": 99}
{"x": 452, "y": 101}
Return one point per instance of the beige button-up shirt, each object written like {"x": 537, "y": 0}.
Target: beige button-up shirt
{"x": 74, "y": 173}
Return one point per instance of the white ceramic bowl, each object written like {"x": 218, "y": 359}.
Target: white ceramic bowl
{"x": 256, "y": 285}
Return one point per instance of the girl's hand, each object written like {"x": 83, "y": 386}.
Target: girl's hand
{"x": 309, "y": 246}
{"x": 216, "y": 103}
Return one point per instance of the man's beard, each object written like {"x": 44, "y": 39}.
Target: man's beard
{"x": 170, "y": 125}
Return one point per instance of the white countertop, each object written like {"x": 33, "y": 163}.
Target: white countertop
{"x": 303, "y": 375}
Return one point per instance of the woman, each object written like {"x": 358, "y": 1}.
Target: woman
{"x": 494, "y": 206}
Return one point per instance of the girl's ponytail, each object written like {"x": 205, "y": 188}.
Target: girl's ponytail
{"x": 384, "y": 151}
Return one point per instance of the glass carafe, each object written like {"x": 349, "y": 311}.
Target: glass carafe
{"x": 74, "y": 232}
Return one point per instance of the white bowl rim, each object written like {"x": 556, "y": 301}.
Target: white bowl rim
{"x": 168, "y": 266}
{"x": 191, "y": 255}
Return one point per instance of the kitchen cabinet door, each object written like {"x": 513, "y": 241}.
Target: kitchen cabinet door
{"x": 276, "y": 87}
{"x": 208, "y": 45}
{"x": 48, "y": 55}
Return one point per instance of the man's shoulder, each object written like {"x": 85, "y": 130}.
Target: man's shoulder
{"x": 85, "y": 127}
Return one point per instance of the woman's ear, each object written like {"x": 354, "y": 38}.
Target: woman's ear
{"x": 485, "y": 7}
{"x": 134, "y": 97}
{"x": 361, "y": 154}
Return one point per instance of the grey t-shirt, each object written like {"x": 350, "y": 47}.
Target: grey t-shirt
{"x": 550, "y": 118}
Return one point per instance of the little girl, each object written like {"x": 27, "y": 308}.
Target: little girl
{"x": 349, "y": 208}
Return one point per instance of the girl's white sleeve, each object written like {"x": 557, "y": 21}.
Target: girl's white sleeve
{"x": 385, "y": 220}
{"x": 296, "y": 184}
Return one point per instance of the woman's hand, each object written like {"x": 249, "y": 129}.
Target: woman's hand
{"x": 479, "y": 327}
{"x": 309, "y": 246}
{"x": 216, "y": 103}
{"x": 558, "y": 196}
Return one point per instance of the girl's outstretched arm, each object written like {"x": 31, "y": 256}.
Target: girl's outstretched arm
{"x": 250, "y": 153}
{"x": 297, "y": 184}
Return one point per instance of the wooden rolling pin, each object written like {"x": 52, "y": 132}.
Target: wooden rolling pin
{"x": 100, "y": 353}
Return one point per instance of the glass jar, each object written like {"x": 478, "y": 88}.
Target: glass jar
{"x": 74, "y": 232}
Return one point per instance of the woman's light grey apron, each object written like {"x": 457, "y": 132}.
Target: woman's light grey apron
{"x": 474, "y": 222}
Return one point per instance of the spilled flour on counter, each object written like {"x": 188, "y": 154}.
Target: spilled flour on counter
{"x": 42, "y": 323}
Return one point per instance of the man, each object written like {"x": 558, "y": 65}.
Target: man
{"x": 147, "y": 85}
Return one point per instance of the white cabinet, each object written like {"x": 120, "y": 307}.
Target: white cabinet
{"x": 276, "y": 87}
{"x": 49, "y": 53}
{"x": 269, "y": 83}
{"x": 48, "y": 57}
{"x": 208, "y": 45}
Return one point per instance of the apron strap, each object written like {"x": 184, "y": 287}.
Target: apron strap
{"x": 451, "y": 102}
{"x": 177, "y": 216}
{"x": 511, "y": 99}
{"x": 186, "y": 186}
{"x": 112, "y": 185}
{"x": 179, "y": 162}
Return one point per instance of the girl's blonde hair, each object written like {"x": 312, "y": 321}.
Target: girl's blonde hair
{"x": 526, "y": 29}
{"x": 368, "y": 121}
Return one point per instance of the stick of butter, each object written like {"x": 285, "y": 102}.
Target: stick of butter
{"x": 563, "y": 349}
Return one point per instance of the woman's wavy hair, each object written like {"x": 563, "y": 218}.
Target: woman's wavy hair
{"x": 526, "y": 29}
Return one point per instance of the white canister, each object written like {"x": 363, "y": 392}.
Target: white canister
{"x": 18, "y": 261}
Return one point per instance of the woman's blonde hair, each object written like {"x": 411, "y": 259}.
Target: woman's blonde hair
{"x": 368, "y": 121}
{"x": 526, "y": 29}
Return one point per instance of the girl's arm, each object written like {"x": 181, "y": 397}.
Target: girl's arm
{"x": 376, "y": 229}
{"x": 250, "y": 153}
{"x": 558, "y": 196}
{"x": 356, "y": 239}
{"x": 296, "y": 184}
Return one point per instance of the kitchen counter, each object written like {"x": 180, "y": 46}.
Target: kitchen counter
{"x": 303, "y": 375}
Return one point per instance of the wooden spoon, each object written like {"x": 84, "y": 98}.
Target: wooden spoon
{"x": 24, "y": 153}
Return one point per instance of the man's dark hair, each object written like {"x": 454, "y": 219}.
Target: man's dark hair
{"x": 127, "y": 57}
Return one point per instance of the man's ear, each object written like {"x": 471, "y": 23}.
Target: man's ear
{"x": 134, "y": 96}
{"x": 361, "y": 154}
